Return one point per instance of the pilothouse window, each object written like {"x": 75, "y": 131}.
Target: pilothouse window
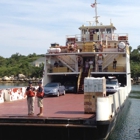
{"x": 108, "y": 30}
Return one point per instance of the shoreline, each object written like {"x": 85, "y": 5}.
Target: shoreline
{"x": 17, "y": 81}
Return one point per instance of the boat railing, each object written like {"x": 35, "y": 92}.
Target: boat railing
{"x": 58, "y": 69}
{"x": 110, "y": 48}
{"x": 99, "y": 37}
{"x": 119, "y": 68}
{"x": 115, "y": 36}
{"x": 80, "y": 47}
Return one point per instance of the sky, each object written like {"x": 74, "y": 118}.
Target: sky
{"x": 30, "y": 26}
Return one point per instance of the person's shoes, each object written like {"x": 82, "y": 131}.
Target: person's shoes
{"x": 40, "y": 114}
{"x": 31, "y": 114}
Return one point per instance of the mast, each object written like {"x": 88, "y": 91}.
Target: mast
{"x": 96, "y": 17}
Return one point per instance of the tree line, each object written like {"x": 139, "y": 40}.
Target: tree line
{"x": 21, "y": 64}
{"x": 135, "y": 62}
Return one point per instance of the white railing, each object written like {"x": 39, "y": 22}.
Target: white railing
{"x": 104, "y": 36}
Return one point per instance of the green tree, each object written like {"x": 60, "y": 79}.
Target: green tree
{"x": 138, "y": 48}
{"x": 17, "y": 64}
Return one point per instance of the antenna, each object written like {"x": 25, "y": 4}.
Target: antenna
{"x": 111, "y": 22}
{"x": 90, "y": 22}
{"x": 96, "y": 17}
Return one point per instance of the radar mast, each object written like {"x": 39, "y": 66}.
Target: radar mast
{"x": 96, "y": 17}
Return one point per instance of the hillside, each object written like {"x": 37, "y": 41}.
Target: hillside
{"x": 18, "y": 63}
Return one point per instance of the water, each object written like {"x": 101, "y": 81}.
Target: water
{"x": 11, "y": 85}
{"x": 127, "y": 128}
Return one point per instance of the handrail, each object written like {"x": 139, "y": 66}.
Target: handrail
{"x": 70, "y": 58}
{"x": 119, "y": 68}
{"x": 89, "y": 72}
{"x": 86, "y": 37}
{"x": 65, "y": 63}
{"x": 79, "y": 77}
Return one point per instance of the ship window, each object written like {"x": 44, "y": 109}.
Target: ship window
{"x": 102, "y": 30}
{"x": 108, "y": 30}
{"x": 97, "y": 30}
{"x": 84, "y": 31}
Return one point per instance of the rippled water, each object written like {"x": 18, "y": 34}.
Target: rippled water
{"x": 128, "y": 125}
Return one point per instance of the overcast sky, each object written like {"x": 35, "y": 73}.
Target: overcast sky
{"x": 30, "y": 26}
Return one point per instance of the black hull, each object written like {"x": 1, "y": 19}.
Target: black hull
{"x": 46, "y": 133}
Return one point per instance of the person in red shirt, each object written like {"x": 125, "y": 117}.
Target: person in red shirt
{"x": 40, "y": 95}
{"x": 30, "y": 93}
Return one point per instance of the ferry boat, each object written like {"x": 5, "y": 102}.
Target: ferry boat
{"x": 99, "y": 44}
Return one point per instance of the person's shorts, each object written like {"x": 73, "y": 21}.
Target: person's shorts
{"x": 40, "y": 102}
{"x": 91, "y": 66}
